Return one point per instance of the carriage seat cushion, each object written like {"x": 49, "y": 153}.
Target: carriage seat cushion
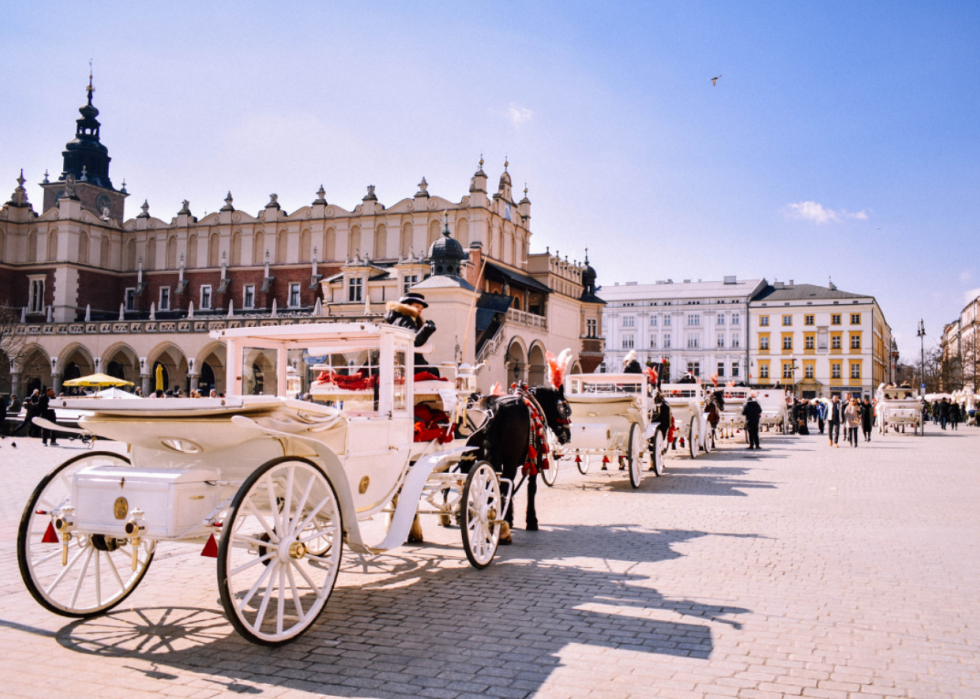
{"x": 599, "y": 398}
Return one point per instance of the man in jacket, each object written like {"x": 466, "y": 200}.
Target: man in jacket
{"x": 834, "y": 414}
{"x": 753, "y": 413}
{"x": 44, "y": 410}
{"x": 867, "y": 418}
{"x": 821, "y": 415}
{"x": 407, "y": 313}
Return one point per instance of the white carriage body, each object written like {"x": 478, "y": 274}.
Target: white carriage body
{"x": 687, "y": 406}
{"x": 898, "y": 407}
{"x": 604, "y": 406}
{"x": 735, "y": 397}
{"x": 774, "y": 410}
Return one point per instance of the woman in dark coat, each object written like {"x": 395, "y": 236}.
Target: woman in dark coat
{"x": 407, "y": 313}
{"x": 867, "y": 418}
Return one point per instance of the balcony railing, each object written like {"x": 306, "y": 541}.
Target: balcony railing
{"x": 529, "y": 320}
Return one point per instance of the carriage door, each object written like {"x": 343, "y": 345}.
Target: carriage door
{"x": 379, "y": 441}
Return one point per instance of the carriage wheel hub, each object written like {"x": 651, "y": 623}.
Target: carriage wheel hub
{"x": 294, "y": 550}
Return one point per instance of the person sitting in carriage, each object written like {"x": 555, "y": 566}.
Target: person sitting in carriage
{"x": 407, "y": 313}
{"x": 688, "y": 378}
{"x": 630, "y": 365}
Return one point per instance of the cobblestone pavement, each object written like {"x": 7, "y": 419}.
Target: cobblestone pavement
{"x": 798, "y": 570}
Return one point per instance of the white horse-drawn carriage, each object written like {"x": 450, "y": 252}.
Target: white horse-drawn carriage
{"x": 273, "y": 487}
{"x": 897, "y": 409}
{"x": 730, "y": 418}
{"x": 610, "y": 419}
{"x": 688, "y": 402}
{"x": 775, "y": 410}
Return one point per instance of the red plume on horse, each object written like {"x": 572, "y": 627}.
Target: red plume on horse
{"x": 558, "y": 368}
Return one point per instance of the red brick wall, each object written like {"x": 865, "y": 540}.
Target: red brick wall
{"x": 14, "y": 288}
{"x": 104, "y": 291}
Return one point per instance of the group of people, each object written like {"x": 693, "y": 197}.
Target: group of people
{"x": 853, "y": 415}
{"x": 945, "y": 412}
{"x": 36, "y": 405}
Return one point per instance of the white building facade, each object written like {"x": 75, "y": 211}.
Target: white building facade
{"x": 701, "y": 327}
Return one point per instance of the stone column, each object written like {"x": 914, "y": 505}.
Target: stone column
{"x": 193, "y": 381}
{"x": 15, "y": 383}
{"x": 56, "y": 380}
{"x": 146, "y": 384}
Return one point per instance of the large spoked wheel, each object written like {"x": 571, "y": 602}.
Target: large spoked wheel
{"x": 280, "y": 551}
{"x": 634, "y": 456}
{"x": 709, "y": 440}
{"x": 98, "y": 572}
{"x": 657, "y": 454}
{"x": 481, "y": 512}
{"x": 694, "y": 438}
{"x": 550, "y": 474}
{"x": 583, "y": 464}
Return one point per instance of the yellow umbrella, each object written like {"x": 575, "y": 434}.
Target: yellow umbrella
{"x": 98, "y": 380}
{"x": 159, "y": 377}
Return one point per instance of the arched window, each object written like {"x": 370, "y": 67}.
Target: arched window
{"x": 236, "y": 248}
{"x": 83, "y": 246}
{"x": 214, "y": 243}
{"x": 405, "y": 243}
{"x": 354, "y": 242}
{"x": 151, "y": 253}
{"x": 53, "y": 245}
{"x": 258, "y": 248}
{"x": 172, "y": 252}
{"x": 305, "y": 246}
{"x": 434, "y": 230}
{"x": 105, "y": 251}
{"x": 329, "y": 245}
{"x": 192, "y": 251}
{"x": 282, "y": 243}
{"x": 131, "y": 254}
{"x": 32, "y": 246}
{"x": 463, "y": 232}
{"x": 381, "y": 242}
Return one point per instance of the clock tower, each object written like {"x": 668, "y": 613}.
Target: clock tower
{"x": 87, "y": 160}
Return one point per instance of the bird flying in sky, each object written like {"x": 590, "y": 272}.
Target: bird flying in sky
{"x": 714, "y": 81}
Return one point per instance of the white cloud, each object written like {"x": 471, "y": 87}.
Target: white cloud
{"x": 517, "y": 114}
{"x": 968, "y": 296}
{"x": 813, "y": 211}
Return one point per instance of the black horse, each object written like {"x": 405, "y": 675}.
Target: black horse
{"x": 505, "y": 437}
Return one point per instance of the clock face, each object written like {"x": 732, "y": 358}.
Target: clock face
{"x": 103, "y": 202}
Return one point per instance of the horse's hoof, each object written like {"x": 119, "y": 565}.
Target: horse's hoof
{"x": 531, "y": 527}
{"x": 505, "y": 542}
{"x": 415, "y": 540}
{"x": 445, "y": 521}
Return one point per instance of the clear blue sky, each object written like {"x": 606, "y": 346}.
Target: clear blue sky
{"x": 842, "y": 140}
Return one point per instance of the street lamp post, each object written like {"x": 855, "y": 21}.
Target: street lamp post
{"x": 922, "y": 356}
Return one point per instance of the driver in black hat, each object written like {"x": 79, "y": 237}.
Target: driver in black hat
{"x": 407, "y": 313}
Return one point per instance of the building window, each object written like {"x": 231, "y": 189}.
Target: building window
{"x": 721, "y": 340}
{"x": 764, "y": 342}
{"x": 763, "y": 371}
{"x": 164, "y": 298}
{"x": 694, "y": 368}
{"x": 787, "y": 320}
{"x": 855, "y": 341}
{"x": 721, "y": 370}
{"x": 855, "y": 371}
{"x": 835, "y": 319}
{"x": 666, "y": 320}
{"x": 808, "y": 342}
{"x": 411, "y": 280}
{"x": 591, "y": 328}
{"x": 205, "y": 297}
{"x": 627, "y": 342}
{"x": 808, "y": 371}
{"x": 653, "y": 342}
{"x": 628, "y": 321}
{"x": 248, "y": 296}
{"x": 667, "y": 341}
{"x": 734, "y": 370}
{"x": 787, "y": 370}
{"x": 734, "y": 318}
{"x": 735, "y": 342}
{"x": 693, "y": 342}
{"x": 808, "y": 320}
{"x": 694, "y": 319}
{"x": 855, "y": 319}
{"x": 835, "y": 370}
{"x": 788, "y": 342}
{"x": 764, "y": 321}
{"x": 37, "y": 296}
{"x": 835, "y": 342}
{"x": 653, "y": 321}
{"x": 294, "y": 298}
{"x": 354, "y": 287}
{"x": 721, "y": 319}
{"x": 130, "y": 298}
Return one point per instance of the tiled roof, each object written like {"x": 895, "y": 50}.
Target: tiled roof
{"x": 679, "y": 290}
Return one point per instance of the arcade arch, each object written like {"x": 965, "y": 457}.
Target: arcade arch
{"x": 211, "y": 363}
{"x": 537, "y": 365}
{"x": 174, "y": 364}
{"x": 121, "y": 361}
{"x": 516, "y": 360}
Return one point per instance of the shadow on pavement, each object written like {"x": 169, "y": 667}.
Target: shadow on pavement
{"x": 413, "y": 622}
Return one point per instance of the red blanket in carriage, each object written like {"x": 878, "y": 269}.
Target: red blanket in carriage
{"x": 432, "y": 423}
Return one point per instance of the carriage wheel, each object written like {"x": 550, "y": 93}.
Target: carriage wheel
{"x": 583, "y": 463}
{"x": 634, "y": 456}
{"x": 481, "y": 510}
{"x": 550, "y": 474}
{"x": 709, "y": 441}
{"x": 692, "y": 441}
{"x": 98, "y": 573}
{"x": 657, "y": 453}
{"x": 292, "y": 502}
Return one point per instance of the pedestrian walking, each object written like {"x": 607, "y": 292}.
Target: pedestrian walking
{"x": 834, "y": 415}
{"x": 852, "y": 421}
{"x": 47, "y": 412}
{"x": 804, "y": 412}
{"x": 867, "y": 418}
{"x": 821, "y": 414}
{"x": 943, "y": 412}
{"x": 955, "y": 416}
{"x": 30, "y": 405}
{"x": 753, "y": 413}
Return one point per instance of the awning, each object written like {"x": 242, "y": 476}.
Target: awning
{"x": 516, "y": 277}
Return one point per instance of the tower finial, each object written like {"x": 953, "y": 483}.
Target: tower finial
{"x": 90, "y": 89}
{"x": 445, "y": 230}
{"x": 505, "y": 163}
{"x": 586, "y": 256}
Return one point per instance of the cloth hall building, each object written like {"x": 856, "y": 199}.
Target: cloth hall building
{"x": 91, "y": 290}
